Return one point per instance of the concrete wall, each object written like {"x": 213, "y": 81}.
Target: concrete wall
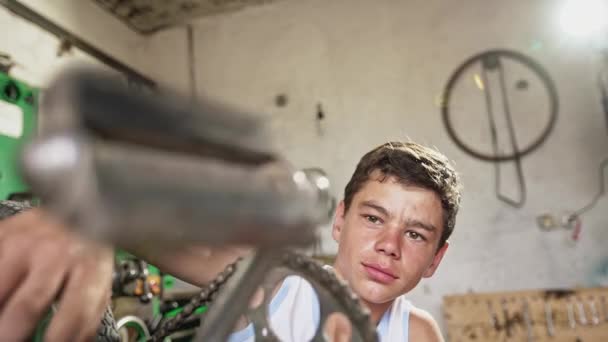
{"x": 378, "y": 68}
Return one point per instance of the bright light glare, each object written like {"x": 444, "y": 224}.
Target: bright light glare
{"x": 478, "y": 82}
{"x": 322, "y": 183}
{"x": 584, "y": 18}
{"x": 299, "y": 177}
{"x": 57, "y": 153}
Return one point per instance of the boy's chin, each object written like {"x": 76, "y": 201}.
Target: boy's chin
{"x": 377, "y": 294}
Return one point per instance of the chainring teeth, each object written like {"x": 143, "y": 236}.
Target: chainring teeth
{"x": 318, "y": 276}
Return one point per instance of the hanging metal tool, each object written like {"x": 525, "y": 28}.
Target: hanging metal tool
{"x": 493, "y": 317}
{"x": 492, "y": 62}
{"x": 508, "y": 321}
{"x": 549, "y": 319}
{"x": 595, "y": 319}
{"x": 527, "y": 320}
{"x": 570, "y": 311}
{"x": 582, "y": 316}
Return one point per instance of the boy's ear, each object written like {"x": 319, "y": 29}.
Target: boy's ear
{"x": 436, "y": 261}
{"x": 338, "y": 222}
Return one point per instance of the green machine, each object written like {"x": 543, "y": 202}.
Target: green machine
{"x": 18, "y": 120}
{"x": 143, "y": 297}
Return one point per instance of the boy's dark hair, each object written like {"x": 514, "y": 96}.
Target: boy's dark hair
{"x": 416, "y": 165}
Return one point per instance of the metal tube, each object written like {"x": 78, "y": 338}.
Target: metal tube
{"x": 126, "y": 167}
{"x": 221, "y": 318}
{"x": 123, "y": 192}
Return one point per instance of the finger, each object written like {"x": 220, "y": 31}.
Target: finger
{"x": 16, "y": 252}
{"x": 32, "y": 299}
{"x": 89, "y": 331}
{"x": 83, "y": 298}
{"x": 337, "y": 328}
{"x": 17, "y": 221}
{"x": 14, "y": 267}
{"x": 24, "y": 223}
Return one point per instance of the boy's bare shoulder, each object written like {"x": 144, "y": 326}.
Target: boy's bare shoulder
{"x": 423, "y": 327}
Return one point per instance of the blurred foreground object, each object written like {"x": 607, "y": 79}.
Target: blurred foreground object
{"x": 143, "y": 172}
{"x": 125, "y": 167}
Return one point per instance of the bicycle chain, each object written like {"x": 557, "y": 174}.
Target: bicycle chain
{"x": 204, "y": 297}
{"x": 305, "y": 266}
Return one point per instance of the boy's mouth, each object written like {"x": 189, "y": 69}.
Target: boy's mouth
{"x": 379, "y": 273}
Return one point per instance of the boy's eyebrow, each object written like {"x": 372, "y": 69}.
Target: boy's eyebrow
{"x": 420, "y": 224}
{"x": 376, "y": 206}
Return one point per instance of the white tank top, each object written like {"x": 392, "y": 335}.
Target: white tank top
{"x": 294, "y": 316}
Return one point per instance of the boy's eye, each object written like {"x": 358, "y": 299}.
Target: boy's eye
{"x": 414, "y": 236}
{"x": 372, "y": 218}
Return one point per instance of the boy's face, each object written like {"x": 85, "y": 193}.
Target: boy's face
{"x": 388, "y": 239}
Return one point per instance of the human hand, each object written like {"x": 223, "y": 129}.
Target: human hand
{"x": 42, "y": 262}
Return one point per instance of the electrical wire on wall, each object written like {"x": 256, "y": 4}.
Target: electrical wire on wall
{"x": 574, "y": 220}
{"x": 603, "y": 88}
{"x": 603, "y": 84}
{"x": 601, "y": 192}
{"x": 191, "y": 61}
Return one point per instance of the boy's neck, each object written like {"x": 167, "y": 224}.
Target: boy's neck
{"x": 377, "y": 310}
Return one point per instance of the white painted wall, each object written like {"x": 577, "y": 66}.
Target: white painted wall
{"x": 378, "y": 67}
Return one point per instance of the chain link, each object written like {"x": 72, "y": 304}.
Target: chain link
{"x": 204, "y": 298}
